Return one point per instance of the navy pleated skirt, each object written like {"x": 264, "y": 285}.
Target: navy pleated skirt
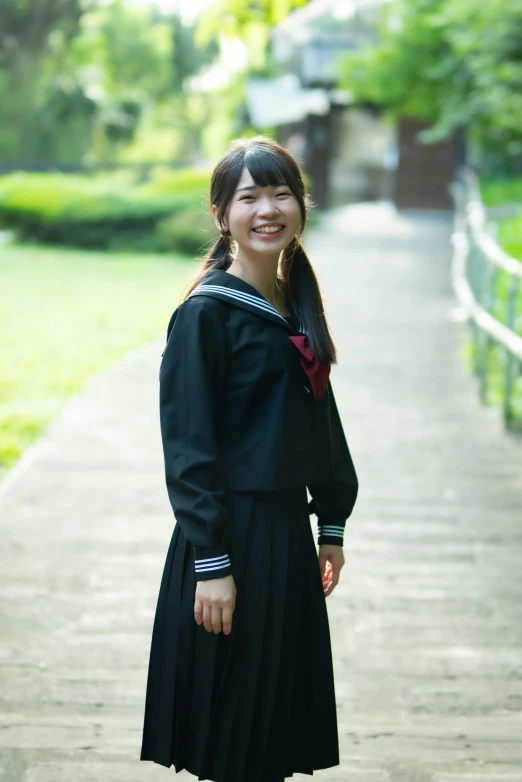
{"x": 257, "y": 705}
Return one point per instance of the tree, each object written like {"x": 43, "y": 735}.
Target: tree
{"x": 25, "y": 30}
{"x": 250, "y": 22}
{"x": 455, "y": 63}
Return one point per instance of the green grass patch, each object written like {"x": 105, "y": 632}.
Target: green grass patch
{"x": 66, "y": 315}
{"x": 498, "y": 192}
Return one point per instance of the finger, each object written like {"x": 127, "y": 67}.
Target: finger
{"x": 198, "y": 610}
{"x": 336, "y": 573}
{"x": 216, "y": 618}
{"x": 328, "y": 570}
{"x": 334, "y": 580}
{"x": 226, "y": 618}
{"x": 207, "y": 617}
{"x": 330, "y": 588}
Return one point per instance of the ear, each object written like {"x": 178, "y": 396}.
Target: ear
{"x": 214, "y": 217}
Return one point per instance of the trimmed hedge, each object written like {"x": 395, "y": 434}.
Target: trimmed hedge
{"x": 189, "y": 181}
{"x": 190, "y": 232}
{"x": 165, "y": 215}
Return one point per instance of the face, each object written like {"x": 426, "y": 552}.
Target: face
{"x": 252, "y": 207}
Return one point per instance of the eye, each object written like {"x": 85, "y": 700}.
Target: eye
{"x": 283, "y": 193}
{"x": 245, "y": 196}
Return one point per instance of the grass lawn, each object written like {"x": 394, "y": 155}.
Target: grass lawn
{"x": 66, "y": 315}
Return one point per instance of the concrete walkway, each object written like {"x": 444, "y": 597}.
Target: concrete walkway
{"x": 427, "y": 620}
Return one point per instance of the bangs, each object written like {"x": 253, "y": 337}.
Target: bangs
{"x": 267, "y": 169}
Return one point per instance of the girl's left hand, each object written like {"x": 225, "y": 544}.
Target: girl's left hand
{"x": 331, "y": 560}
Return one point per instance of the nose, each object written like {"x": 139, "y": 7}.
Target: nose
{"x": 267, "y": 206}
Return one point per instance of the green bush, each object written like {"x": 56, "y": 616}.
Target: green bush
{"x": 94, "y": 213}
{"x": 190, "y": 232}
{"x": 189, "y": 181}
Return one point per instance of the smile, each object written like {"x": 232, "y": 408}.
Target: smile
{"x": 269, "y": 230}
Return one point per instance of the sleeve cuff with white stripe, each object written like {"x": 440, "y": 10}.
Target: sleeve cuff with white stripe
{"x": 330, "y": 534}
{"x": 211, "y": 564}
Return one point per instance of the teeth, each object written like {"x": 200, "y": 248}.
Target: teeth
{"x": 272, "y": 230}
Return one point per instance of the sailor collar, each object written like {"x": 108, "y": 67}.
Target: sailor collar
{"x": 227, "y": 287}
{"x": 220, "y": 284}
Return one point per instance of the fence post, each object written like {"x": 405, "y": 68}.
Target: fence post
{"x": 510, "y": 359}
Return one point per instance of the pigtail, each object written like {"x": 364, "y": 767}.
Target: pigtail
{"x": 300, "y": 285}
{"x": 218, "y": 257}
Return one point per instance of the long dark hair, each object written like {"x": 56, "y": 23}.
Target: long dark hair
{"x": 269, "y": 163}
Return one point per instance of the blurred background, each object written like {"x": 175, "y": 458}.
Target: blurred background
{"x": 406, "y": 118}
{"x": 113, "y": 113}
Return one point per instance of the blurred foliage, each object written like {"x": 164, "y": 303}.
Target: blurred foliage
{"x": 190, "y": 232}
{"x": 107, "y": 80}
{"x": 510, "y": 238}
{"x": 250, "y": 22}
{"x": 189, "y": 181}
{"x": 106, "y": 213}
{"x": 88, "y": 75}
{"x": 25, "y": 30}
{"x": 496, "y": 192}
{"x": 455, "y": 63}
{"x": 229, "y": 21}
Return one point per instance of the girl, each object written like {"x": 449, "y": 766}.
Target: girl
{"x": 240, "y": 682}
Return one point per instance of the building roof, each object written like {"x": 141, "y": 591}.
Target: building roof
{"x": 282, "y": 101}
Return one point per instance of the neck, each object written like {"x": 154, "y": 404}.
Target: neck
{"x": 261, "y": 275}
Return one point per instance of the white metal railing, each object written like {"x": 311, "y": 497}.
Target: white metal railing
{"x": 477, "y": 262}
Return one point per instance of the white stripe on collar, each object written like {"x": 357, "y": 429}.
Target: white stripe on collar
{"x": 247, "y": 298}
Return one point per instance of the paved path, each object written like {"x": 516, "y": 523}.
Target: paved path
{"x": 427, "y": 622}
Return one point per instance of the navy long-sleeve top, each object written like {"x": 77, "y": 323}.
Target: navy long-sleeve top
{"x": 237, "y": 412}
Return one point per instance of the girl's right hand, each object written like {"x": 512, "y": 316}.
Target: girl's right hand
{"x": 215, "y": 603}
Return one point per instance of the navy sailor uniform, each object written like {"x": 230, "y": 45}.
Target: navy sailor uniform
{"x": 244, "y": 435}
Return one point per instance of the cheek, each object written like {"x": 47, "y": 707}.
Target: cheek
{"x": 241, "y": 218}
{"x": 293, "y": 214}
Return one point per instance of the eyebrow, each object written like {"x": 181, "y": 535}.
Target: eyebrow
{"x": 253, "y": 187}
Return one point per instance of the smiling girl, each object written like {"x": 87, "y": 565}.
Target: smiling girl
{"x": 240, "y": 683}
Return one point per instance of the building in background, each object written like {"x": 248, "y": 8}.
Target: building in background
{"x": 352, "y": 153}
